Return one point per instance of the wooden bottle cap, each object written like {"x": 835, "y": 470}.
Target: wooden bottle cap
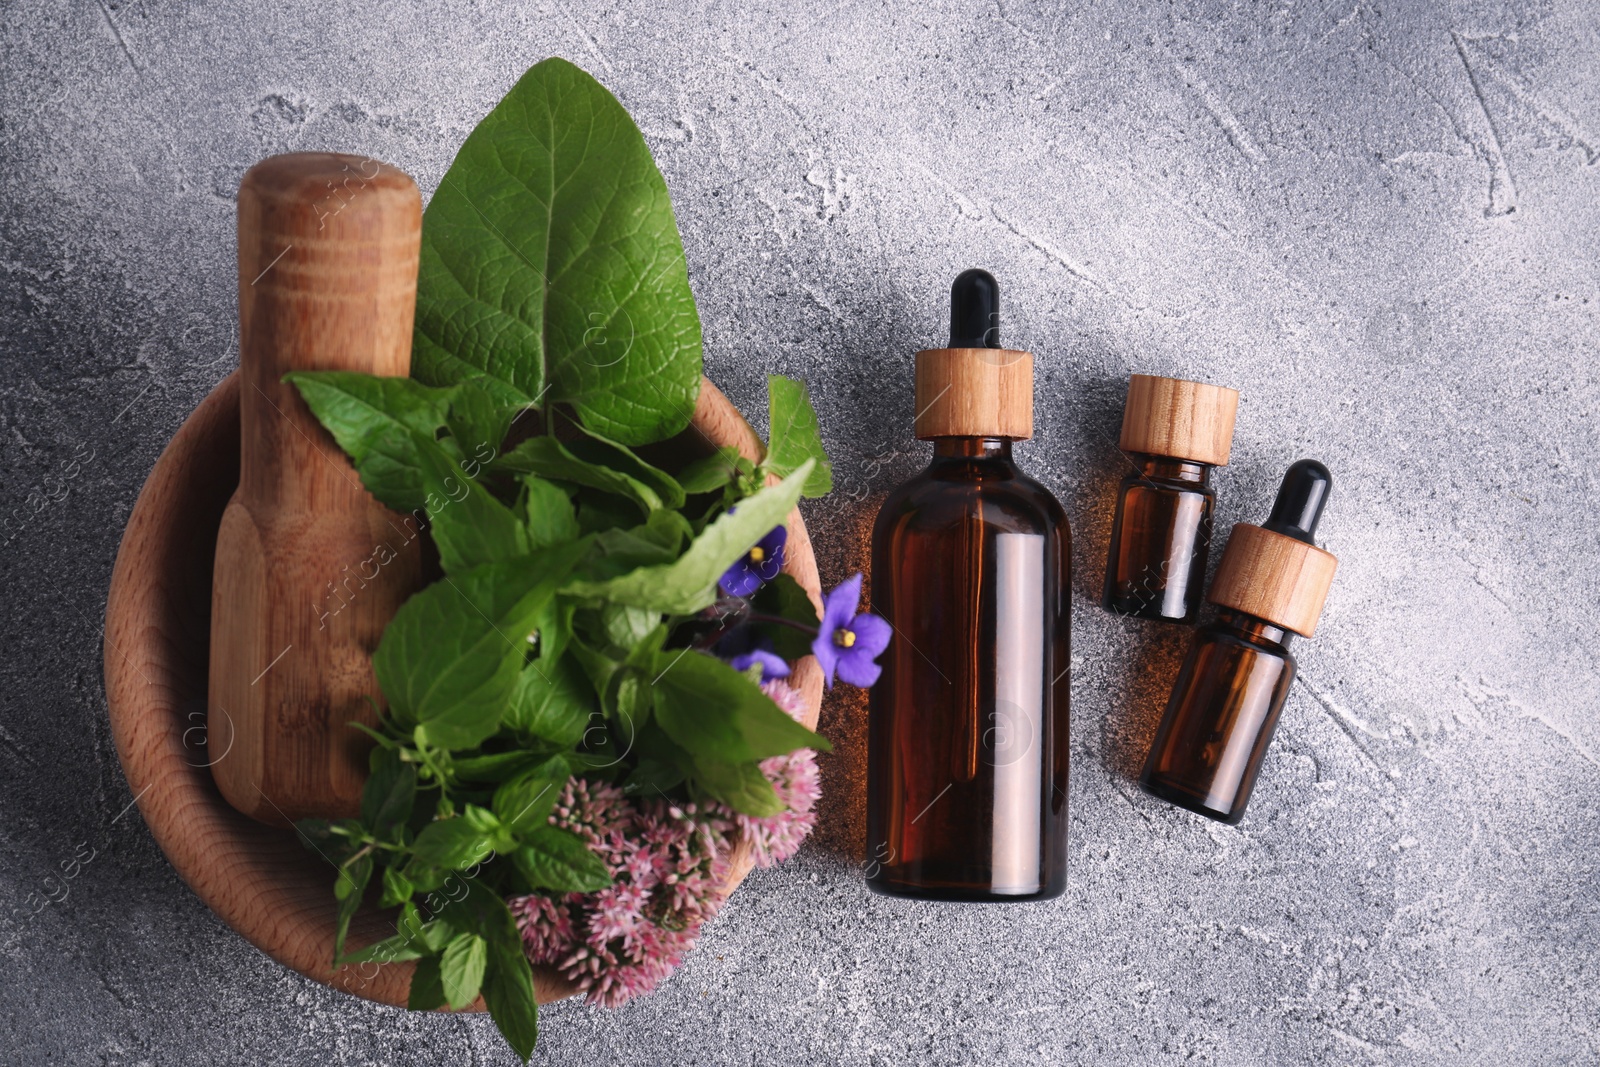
{"x": 1184, "y": 420}
{"x": 974, "y": 392}
{"x": 1274, "y": 577}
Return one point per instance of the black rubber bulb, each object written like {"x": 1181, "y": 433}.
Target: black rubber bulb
{"x": 975, "y": 310}
{"x": 1300, "y": 501}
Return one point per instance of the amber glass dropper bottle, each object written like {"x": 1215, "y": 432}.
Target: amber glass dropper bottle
{"x": 967, "y": 751}
{"x": 1272, "y": 582}
{"x": 1174, "y": 431}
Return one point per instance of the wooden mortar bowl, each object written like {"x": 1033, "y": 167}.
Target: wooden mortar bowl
{"x": 262, "y": 881}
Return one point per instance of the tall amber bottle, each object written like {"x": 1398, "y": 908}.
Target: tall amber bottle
{"x": 1174, "y": 431}
{"x": 971, "y": 559}
{"x": 1272, "y": 582}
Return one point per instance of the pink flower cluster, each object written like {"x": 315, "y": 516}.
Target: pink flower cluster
{"x": 794, "y": 778}
{"x": 668, "y": 863}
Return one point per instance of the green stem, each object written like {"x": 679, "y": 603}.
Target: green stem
{"x": 779, "y": 620}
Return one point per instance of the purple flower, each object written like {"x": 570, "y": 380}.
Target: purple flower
{"x": 772, "y": 664}
{"x": 760, "y": 564}
{"x": 846, "y": 642}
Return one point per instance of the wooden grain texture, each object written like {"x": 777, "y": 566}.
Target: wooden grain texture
{"x": 1184, "y": 420}
{"x": 259, "y": 879}
{"x": 974, "y": 392}
{"x": 1273, "y": 577}
{"x": 309, "y": 567}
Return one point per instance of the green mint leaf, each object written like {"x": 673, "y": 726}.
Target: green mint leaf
{"x": 551, "y": 701}
{"x": 481, "y": 819}
{"x": 507, "y": 978}
{"x": 347, "y": 890}
{"x": 453, "y": 843}
{"x": 598, "y": 666}
{"x": 479, "y": 419}
{"x": 558, "y": 860}
{"x": 606, "y": 453}
{"x": 625, "y": 626}
{"x": 427, "y": 986}
{"x": 431, "y": 937}
{"x": 549, "y": 458}
{"x": 525, "y": 802}
{"x": 373, "y": 419}
{"x": 634, "y": 701}
{"x": 494, "y": 768}
{"x": 715, "y": 713}
{"x": 548, "y": 514}
{"x": 689, "y": 583}
{"x": 795, "y": 436}
{"x": 451, "y": 656}
{"x": 467, "y": 523}
{"x": 600, "y": 511}
{"x": 461, "y": 969}
{"x": 741, "y": 786}
{"x": 387, "y": 797}
{"x": 551, "y": 262}
{"x": 397, "y": 888}
{"x": 425, "y": 877}
{"x": 711, "y": 472}
{"x": 554, "y": 625}
{"x": 508, "y": 989}
{"x": 658, "y": 540}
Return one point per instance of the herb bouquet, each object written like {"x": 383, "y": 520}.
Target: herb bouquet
{"x": 587, "y": 710}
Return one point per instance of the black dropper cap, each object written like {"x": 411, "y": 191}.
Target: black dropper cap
{"x": 1300, "y": 501}
{"x": 975, "y": 310}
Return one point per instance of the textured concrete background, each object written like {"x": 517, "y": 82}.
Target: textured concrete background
{"x": 1380, "y": 221}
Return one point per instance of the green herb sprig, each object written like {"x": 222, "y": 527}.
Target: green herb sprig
{"x": 567, "y": 633}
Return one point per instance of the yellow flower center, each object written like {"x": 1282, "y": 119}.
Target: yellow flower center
{"x": 757, "y": 554}
{"x": 844, "y": 638}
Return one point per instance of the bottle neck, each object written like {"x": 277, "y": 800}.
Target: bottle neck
{"x": 1168, "y": 469}
{"x": 969, "y": 448}
{"x": 1251, "y": 628}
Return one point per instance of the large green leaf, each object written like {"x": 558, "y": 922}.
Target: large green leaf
{"x": 524, "y": 803}
{"x": 711, "y": 472}
{"x": 552, "y": 700}
{"x": 558, "y": 860}
{"x": 469, "y": 525}
{"x": 689, "y": 583}
{"x": 741, "y": 786}
{"x": 452, "y": 654}
{"x": 547, "y": 513}
{"x": 549, "y": 458}
{"x": 374, "y": 420}
{"x": 715, "y": 713}
{"x": 599, "y": 450}
{"x": 794, "y": 436}
{"x": 479, "y": 420}
{"x": 507, "y": 978}
{"x": 454, "y": 843}
{"x": 461, "y": 967}
{"x": 551, "y": 262}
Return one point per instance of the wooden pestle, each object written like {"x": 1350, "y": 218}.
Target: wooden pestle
{"x": 309, "y": 567}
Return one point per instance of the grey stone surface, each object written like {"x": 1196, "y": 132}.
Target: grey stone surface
{"x": 1381, "y": 221}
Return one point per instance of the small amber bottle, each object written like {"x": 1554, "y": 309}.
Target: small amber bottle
{"x": 1175, "y": 432}
{"x": 1272, "y": 582}
{"x": 967, "y": 739}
